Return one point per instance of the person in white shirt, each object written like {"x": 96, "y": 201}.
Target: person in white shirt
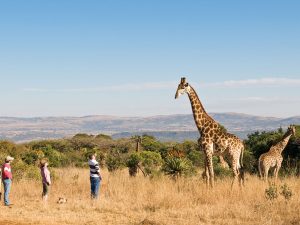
{"x": 95, "y": 176}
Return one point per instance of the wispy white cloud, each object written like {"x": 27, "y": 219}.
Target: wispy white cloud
{"x": 261, "y": 82}
{"x": 124, "y": 87}
{"x": 256, "y": 99}
{"x": 35, "y": 89}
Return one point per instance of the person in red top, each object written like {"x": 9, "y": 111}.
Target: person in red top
{"x": 6, "y": 179}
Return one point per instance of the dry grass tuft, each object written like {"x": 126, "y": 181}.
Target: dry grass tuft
{"x": 144, "y": 201}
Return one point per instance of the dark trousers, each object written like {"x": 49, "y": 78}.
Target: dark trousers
{"x": 95, "y": 185}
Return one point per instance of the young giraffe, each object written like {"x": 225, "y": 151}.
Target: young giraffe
{"x": 213, "y": 140}
{"x": 273, "y": 157}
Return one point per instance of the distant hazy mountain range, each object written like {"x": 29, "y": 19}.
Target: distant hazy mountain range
{"x": 170, "y": 127}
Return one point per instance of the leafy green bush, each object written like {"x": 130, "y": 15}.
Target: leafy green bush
{"x": 114, "y": 162}
{"x": 271, "y": 193}
{"x": 286, "y": 192}
{"x": 196, "y": 157}
{"x": 249, "y": 162}
{"x": 150, "y": 162}
{"x": 30, "y": 157}
{"x": 149, "y": 143}
{"x": 132, "y": 163}
{"x": 176, "y": 167}
{"x": 22, "y": 170}
{"x": 221, "y": 172}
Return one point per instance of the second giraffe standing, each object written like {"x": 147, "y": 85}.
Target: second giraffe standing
{"x": 273, "y": 157}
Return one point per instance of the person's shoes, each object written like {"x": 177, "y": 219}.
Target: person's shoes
{"x": 9, "y": 205}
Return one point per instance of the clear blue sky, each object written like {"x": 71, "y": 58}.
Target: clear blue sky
{"x": 125, "y": 58}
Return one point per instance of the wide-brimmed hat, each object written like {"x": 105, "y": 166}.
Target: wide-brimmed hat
{"x": 43, "y": 162}
{"x": 9, "y": 158}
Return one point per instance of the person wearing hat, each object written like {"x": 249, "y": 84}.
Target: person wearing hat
{"x": 7, "y": 178}
{"x": 46, "y": 180}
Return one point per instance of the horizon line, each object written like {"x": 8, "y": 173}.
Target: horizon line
{"x": 139, "y": 116}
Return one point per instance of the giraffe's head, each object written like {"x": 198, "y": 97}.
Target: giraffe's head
{"x": 292, "y": 129}
{"x": 183, "y": 87}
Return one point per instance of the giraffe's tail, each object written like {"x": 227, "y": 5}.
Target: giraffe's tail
{"x": 241, "y": 169}
{"x": 241, "y": 157}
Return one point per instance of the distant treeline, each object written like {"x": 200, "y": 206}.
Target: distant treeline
{"x": 143, "y": 153}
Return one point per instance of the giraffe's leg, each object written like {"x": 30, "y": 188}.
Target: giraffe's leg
{"x": 203, "y": 148}
{"x": 277, "y": 168}
{"x": 206, "y": 172}
{"x": 274, "y": 172}
{"x": 266, "y": 171}
{"x": 223, "y": 163}
{"x": 235, "y": 170}
{"x": 210, "y": 169}
{"x": 242, "y": 177}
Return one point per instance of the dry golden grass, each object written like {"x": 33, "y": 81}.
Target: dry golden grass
{"x": 140, "y": 200}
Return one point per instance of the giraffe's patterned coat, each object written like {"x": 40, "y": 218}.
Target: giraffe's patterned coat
{"x": 273, "y": 157}
{"x": 213, "y": 140}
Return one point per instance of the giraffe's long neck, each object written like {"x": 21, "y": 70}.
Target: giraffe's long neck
{"x": 200, "y": 115}
{"x": 284, "y": 141}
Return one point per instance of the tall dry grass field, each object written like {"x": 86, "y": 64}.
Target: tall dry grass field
{"x": 140, "y": 200}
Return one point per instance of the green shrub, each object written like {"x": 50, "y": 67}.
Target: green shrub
{"x": 22, "y": 170}
{"x": 150, "y": 162}
{"x": 176, "y": 167}
{"x": 30, "y": 158}
{"x": 271, "y": 193}
{"x": 221, "y": 172}
{"x": 114, "y": 162}
{"x": 132, "y": 163}
{"x": 286, "y": 192}
{"x": 196, "y": 157}
{"x": 149, "y": 143}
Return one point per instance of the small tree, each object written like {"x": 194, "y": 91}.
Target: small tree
{"x": 113, "y": 162}
{"x": 133, "y": 163}
{"x": 150, "y": 162}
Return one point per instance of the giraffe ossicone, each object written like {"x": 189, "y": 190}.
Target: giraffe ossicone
{"x": 213, "y": 140}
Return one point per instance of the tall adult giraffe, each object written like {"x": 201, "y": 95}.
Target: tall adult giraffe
{"x": 273, "y": 157}
{"x": 213, "y": 140}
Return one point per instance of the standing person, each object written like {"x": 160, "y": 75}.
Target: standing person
{"x": 0, "y": 183}
{"x": 7, "y": 178}
{"x": 95, "y": 176}
{"x": 46, "y": 180}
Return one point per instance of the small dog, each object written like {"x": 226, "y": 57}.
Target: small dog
{"x": 62, "y": 200}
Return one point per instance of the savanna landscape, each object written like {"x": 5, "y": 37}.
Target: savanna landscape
{"x": 140, "y": 200}
{"x": 160, "y": 183}
{"x": 87, "y": 97}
